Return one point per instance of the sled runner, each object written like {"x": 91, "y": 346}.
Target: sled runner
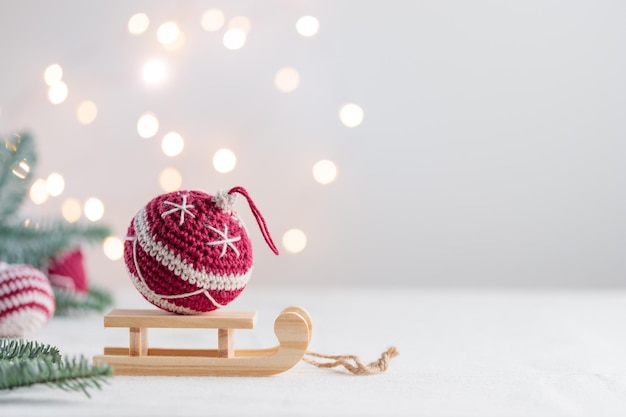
{"x": 292, "y": 328}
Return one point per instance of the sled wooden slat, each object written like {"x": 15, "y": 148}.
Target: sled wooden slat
{"x": 217, "y": 319}
{"x": 138, "y": 341}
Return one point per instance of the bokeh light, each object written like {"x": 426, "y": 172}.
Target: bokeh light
{"x": 212, "y": 20}
{"x": 86, "y": 112}
{"x": 39, "y": 192}
{"x": 294, "y": 240}
{"x": 307, "y": 26}
{"x": 147, "y": 125}
{"x": 71, "y": 210}
{"x": 57, "y": 93}
{"x": 234, "y": 39}
{"x": 55, "y": 184}
{"x": 20, "y": 169}
{"x": 168, "y": 33}
{"x": 170, "y": 180}
{"x": 172, "y": 144}
{"x": 138, "y": 23}
{"x": 154, "y": 71}
{"x": 224, "y": 160}
{"x": 351, "y": 115}
{"x": 113, "y": 248}
{"x": 11, "y": 141}
{"x": 325, "y": 171}
{"x": 94, "y": 209}
{"x": 170, "y": 36}
{"x": 53, "y": 74}
{"x": 287, "y": 80}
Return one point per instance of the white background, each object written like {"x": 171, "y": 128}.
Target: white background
{"x": 491, "y": 152}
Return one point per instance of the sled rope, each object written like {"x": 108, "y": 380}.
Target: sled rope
{"x": 352, "y": 363}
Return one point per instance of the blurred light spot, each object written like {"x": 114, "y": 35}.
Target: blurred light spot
{"x": 212, "y": 20}
{"x": 28, "y": 223}
{"x": 307, "y": 26}
{"x": 71, "y": 210}
{"x": 351, "y": 115}
{"x": 86, "y": 112}
{"x": 94, "y": 209}
{"x": 287, "y": 80}
{"x": 170, "y": 36}
{"x": 240, "y": 22}
{"x": 11, "y": 142}
{"x": 113, "y": 248}
{"x": 168, "y": 33}
{"x": 55, "y": 184}
{"x": 172, "y": 144}
{"x": 170, "y": 180}
{"x": 324, "y": 171}
{"x": 234, "y": 39}
{"x": 57, "y": 93}
{"x": 138, "y": 23}
{"x": 21, "y": 169}
{"x": 148, "y": 125}
{"x": 154, "y": 71}
{"x": 294, "y": 240}
{"x": 53, "y": 74}
{"x": 180, "y": 41}
{"x": 224, "y": 160}
{"x": 38, "y": 192}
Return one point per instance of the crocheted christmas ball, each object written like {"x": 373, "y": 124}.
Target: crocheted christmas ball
{"x": 26, "y": 300}
{"x": 188, "y": 252}
{"x": 66, "y": 271}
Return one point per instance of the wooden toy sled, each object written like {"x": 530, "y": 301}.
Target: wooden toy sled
{"x": 292, "y": 328}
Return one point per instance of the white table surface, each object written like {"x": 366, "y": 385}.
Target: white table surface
{"x": 462, "y": 353}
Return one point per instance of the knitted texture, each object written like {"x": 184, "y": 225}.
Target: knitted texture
{"x": 187, "y": 252}
{"x": 67, "y": 271}
{"x": 26, "y": 300}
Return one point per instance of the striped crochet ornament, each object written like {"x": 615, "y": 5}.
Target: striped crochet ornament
{"x": 26, "y": 300}
{"x": 188, "y": 252}
{"x": 66, "y": 271}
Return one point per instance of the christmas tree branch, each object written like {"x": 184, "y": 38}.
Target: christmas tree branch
{"x": 38, "y": 242}
{"x": 43, "y": 366}
{"x": 69, "y": 303}
{"x": 17, "y": 162}
{"x": 17, "y": 349}
{"x": 34, "y": 243}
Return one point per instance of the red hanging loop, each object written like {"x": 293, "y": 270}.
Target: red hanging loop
{"x": 258, "y": 216}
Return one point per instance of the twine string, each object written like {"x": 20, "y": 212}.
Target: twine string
{"x": 352, "y": 363}
{"x": 258, "y": 216}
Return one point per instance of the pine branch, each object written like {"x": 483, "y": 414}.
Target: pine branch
{"x": 18, "y": 349}
{"x": 78, "y": 375}
{"x": 68, "y": 303}
{"x": 47, "y": 368}
{"x": 70, "y": 374}
{"x": 34, "y": 243}
{"x": 17, "y": 162}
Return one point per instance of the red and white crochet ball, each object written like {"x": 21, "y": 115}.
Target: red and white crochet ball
{"x": 66, "y": 271}
{"x": 26, "y": 300}
{"x": 187, "y": 252}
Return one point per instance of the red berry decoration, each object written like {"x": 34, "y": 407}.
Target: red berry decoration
{"x": 26, "y": 300}
{"x": 188, "y": 252}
